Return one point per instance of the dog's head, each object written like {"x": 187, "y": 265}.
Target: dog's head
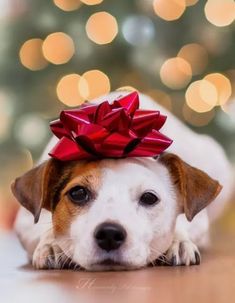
{"x": 113, "y": 214}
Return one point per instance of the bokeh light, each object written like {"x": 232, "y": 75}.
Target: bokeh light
{"x": 91, "y": 2}
{"x": 68, "y": 5}
{"x": 31, "y": 130}
{"x": 196, "y": 55}
{"x": 101, "y": 28}
{"x": 197, "y": 119}
{"x": 229, "y": 109}
{"x": 31, "y": 55}
{"x": 126, "y": 88}
{"x": 223, "y": 87}
{"x": 201, "y": 96}
{"x": 93, "y": 84}
{"x": 176, "y": 73}
{"x": 58, "y": 48}
{"x": 169, "y": 10}
{"x": 220, "y": 12}
{"x": 191, "y": 2}
{"x": 138, "y": 30}
{"x": 67, "y": 90}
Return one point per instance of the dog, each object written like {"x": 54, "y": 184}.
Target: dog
{"x": 123, "y": 214}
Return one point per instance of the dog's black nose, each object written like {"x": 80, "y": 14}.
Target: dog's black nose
{"x": 109, "y": 236}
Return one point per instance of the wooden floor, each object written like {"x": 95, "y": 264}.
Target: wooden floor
{"x": 212, "y": 281}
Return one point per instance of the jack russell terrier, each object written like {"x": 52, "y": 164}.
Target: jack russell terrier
{"x": 115, "y": 214}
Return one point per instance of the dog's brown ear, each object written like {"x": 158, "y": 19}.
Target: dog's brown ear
{"x": 33, "y": 190}
{"x": 195, "y": 187}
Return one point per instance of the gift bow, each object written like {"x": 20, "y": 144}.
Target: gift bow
{"x": 109, "y": 131}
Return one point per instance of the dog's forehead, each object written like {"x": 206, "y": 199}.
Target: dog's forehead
{"x": 137, "y": 174}
{"x": 128, "y": 171}
{"x": 126, "y": 167}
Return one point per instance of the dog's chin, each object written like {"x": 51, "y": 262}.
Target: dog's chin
{"x": 111, "y": 265}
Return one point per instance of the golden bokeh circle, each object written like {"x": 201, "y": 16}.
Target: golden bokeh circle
{"x": 196, "y": 55}
{"x": 126, "y": 88}
{"x": 197, "y": 119}
{"x": 191, "y": 2}
{"x": 31, "y": 55}
{"x": 92, "y": 2}
{"x": 93, "y": 84}
{"x": 201, "y": 96}
{"x": 68, "y": 5}
{"x": 67, "y": 90}
{"x": 58, "y": 48}
{"x": 176, "y": 73}
{"x": 101, "y": 28}
{"x": 220, "y": 12}
{"x": 169, "y": 10}
{"x": 223, "y": 87}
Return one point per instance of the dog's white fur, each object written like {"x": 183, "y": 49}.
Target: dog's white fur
{"x": 151, "y": 232}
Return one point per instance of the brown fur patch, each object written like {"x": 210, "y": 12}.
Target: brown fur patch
{"x": 46, "y": 185}
{"x": 36, "y": 188}
{"x": 85, "y": 174}
{"x": 196, "y": 188}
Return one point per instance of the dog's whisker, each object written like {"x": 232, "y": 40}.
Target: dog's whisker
{"x": 65, "y": 261}
{"x": 70, "y": 262}
{"x": 162, "y": 257}
{"x": 76, "y": 266}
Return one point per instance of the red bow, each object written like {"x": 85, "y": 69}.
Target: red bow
{"x": 109, "y": 131}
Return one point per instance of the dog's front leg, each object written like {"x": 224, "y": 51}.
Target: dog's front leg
{"x": 182, "y": 251}
{"x": 39, "y": 241}
{"x": 48, "y": 254}
{"x": 187, "y": 238}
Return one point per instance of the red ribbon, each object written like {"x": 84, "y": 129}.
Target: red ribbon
{"x": 109, "y": 131}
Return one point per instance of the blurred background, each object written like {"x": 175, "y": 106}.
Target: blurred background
{"x": 56, "y": 54}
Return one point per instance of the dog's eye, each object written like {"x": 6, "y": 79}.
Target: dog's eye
{"x": 149, "y": 198}
{"x": 79, "y": 195}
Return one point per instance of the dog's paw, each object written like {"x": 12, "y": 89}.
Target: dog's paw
{"x": 48, "y": 255}
{"x": 183, "y": 253}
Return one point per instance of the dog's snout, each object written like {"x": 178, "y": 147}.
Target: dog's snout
{"x": 109, "y": 236}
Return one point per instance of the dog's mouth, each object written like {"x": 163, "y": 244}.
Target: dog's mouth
{"x": 109, "y": 264}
